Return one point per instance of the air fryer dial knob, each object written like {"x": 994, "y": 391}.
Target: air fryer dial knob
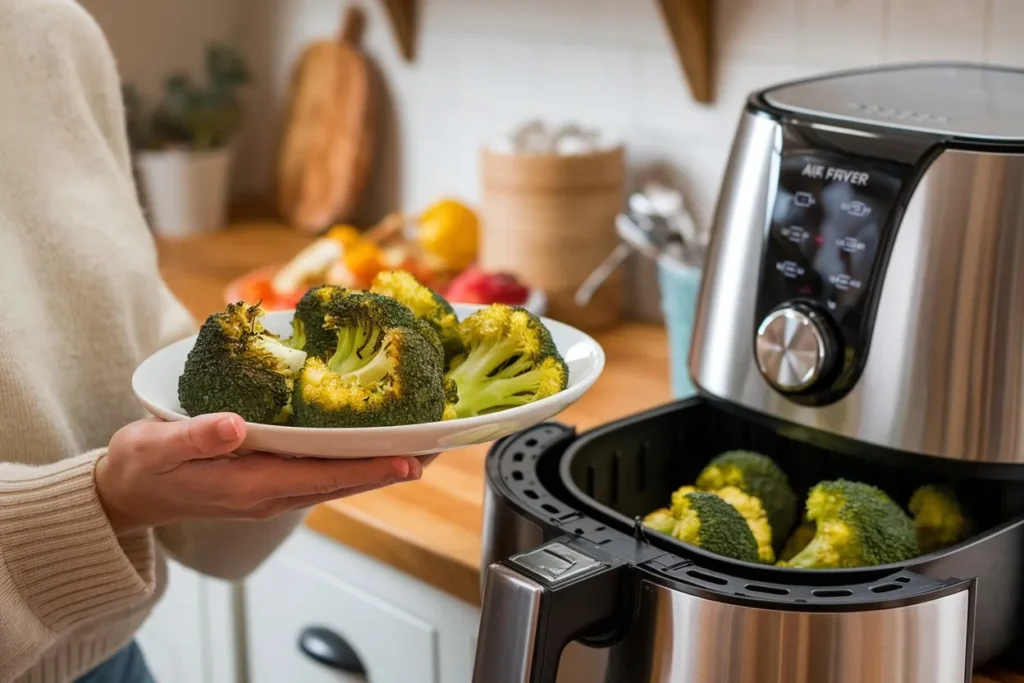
{"x": 794, "y": 348}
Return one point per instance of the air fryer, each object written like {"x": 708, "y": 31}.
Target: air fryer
{"x": 861, "y": 316}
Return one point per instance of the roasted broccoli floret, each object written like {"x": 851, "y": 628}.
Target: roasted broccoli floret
{"x": 938, "y": 518}
{"x": 309, "y": 322}
{"x": 748, "y": 506}
{"x": 707, "y": 521}
{"x": 510, "y": 360}
{"x": 856, "y": 525}
{"x": 757, "y": 519}
{"x": 679, "y": 494}
{"x": 797, "y": 541}
{"x": 425, "y": 304}
{"x": 451, "y": 397}
{"x": 237, "y": 366}
{"x": 308, "y": 331}
{"x": 661, "y": 520}
{"x": 756, "y": 475}
{"x": 384, "y": 371}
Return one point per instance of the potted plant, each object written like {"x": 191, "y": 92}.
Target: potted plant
{"x": 182, "y": 148}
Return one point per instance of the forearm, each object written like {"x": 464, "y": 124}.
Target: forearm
{"x": 229, "y": 550}
{"x": 60, "y": 563}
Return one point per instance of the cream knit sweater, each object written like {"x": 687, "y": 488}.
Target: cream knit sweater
{"x": 82, "y": 304}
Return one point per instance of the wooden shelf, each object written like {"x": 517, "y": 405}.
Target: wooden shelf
{"x": 402, "y": 14}
{"x": 689, "y": 26}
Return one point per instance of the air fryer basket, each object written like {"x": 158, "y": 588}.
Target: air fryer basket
{"x": 623, "y": 470}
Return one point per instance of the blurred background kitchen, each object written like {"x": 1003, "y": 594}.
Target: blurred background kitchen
{"x": 495, "y": 154}
{"x": 480, "y": 68}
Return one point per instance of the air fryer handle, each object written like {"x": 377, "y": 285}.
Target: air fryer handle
{"x": 536, "y": 603}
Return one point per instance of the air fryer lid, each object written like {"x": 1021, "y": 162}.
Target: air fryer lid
{"x": 963, "y": 101}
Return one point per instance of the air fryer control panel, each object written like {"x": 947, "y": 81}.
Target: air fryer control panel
{"x": 834, "y": 216}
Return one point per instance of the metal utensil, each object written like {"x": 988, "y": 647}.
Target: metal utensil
{"x": 603, "y": 271}
{"x": 656, "y": 225}
{"x": 668, "y": 204}
{"x": 654, "y": 241}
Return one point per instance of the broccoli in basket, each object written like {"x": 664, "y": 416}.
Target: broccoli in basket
{"x": 856, "y": 525}
{"x": 425, "y": 304}
{"x": 386, "y": 369}
{"x": 708, "y": 522}
{"x": 938, "y": 517}
{"x": 661, "y": 520}
{"x": 237, "y": 366}
{"x": 749, "y": 507}
{"x": 756, "y": 517}
{"x": 510, "y": 360}
{"x": 798, "y": 540}
{"x": 756, "y": 475}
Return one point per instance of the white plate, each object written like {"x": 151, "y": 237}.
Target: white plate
{"x": 155, "y": 383}
{"x": 536, "y": 302}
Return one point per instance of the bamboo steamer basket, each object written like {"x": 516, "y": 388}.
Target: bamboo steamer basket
{"x": 550, "y": 220}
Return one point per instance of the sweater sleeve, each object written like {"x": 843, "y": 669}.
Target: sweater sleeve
{"x": 229, "y": 550}
{"x": 61, "y": 564}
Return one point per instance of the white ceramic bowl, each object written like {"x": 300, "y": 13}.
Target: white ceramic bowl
{"x": 155, "y": 383}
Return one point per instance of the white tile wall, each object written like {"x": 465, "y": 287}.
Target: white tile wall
{"x": 484, "y": 65}
{"x": 150, "y": 37}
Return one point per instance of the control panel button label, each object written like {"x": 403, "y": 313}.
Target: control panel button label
{"x": 789, "y": 268}
{"x": 793, "y": 233}
{"x": 844, "y": 282}
{"x": 856, "y": 208}
{"x": 840, "y": 175}
{"x": 804, "y": 199}
{"x": 851, "y": 245}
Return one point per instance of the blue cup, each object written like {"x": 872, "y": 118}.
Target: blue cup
{"x": 680, "y": 286}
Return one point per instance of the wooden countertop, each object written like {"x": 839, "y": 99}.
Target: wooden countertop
{"x": 430, "y": 529}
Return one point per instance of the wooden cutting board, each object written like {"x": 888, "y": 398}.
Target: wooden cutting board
{"x": 328, "y": 139}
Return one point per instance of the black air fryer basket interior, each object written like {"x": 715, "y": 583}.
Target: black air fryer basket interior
{"x": 629, "y": 468}
{"x": 613, "y": 475}
{"x": 598, "y": 484}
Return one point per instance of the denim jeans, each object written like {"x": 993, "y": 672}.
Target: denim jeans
{"x": 126, "y": 666}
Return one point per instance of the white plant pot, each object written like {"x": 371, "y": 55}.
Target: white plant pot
{"x": 186, "y": 191}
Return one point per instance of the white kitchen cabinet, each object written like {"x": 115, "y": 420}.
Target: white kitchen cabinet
{"x": 191, "y": 635}
{"x": 401, "y": 629}
{"x": 287, "y": 598}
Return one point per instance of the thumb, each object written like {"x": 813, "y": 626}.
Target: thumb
{"x": 204, "y": 436}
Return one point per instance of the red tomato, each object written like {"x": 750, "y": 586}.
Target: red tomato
{"x": 286, "y": 302}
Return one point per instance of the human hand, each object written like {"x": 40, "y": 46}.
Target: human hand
{"x": 156, "y": 473}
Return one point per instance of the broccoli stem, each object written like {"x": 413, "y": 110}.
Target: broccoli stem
{"x": 498, "y": 393}
{"x": 485, "y": 359}
{"x": 378, "y": 367}
{"x": 808, "y": 557}
{"x": 361, "y": 357}
{"x": 353, "y": 344}
{"x": 289, "y": 360}
{"x": 825, "y": 550}
{"x": 298, "y": 340}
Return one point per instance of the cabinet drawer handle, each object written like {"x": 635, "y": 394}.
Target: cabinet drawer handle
{"x": 330, "y": 649}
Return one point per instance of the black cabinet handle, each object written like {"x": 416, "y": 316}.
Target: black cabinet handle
{"x": 330, "y": 649}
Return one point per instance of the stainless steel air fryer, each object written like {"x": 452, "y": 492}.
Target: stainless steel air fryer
{"x": 861, "y": 316}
